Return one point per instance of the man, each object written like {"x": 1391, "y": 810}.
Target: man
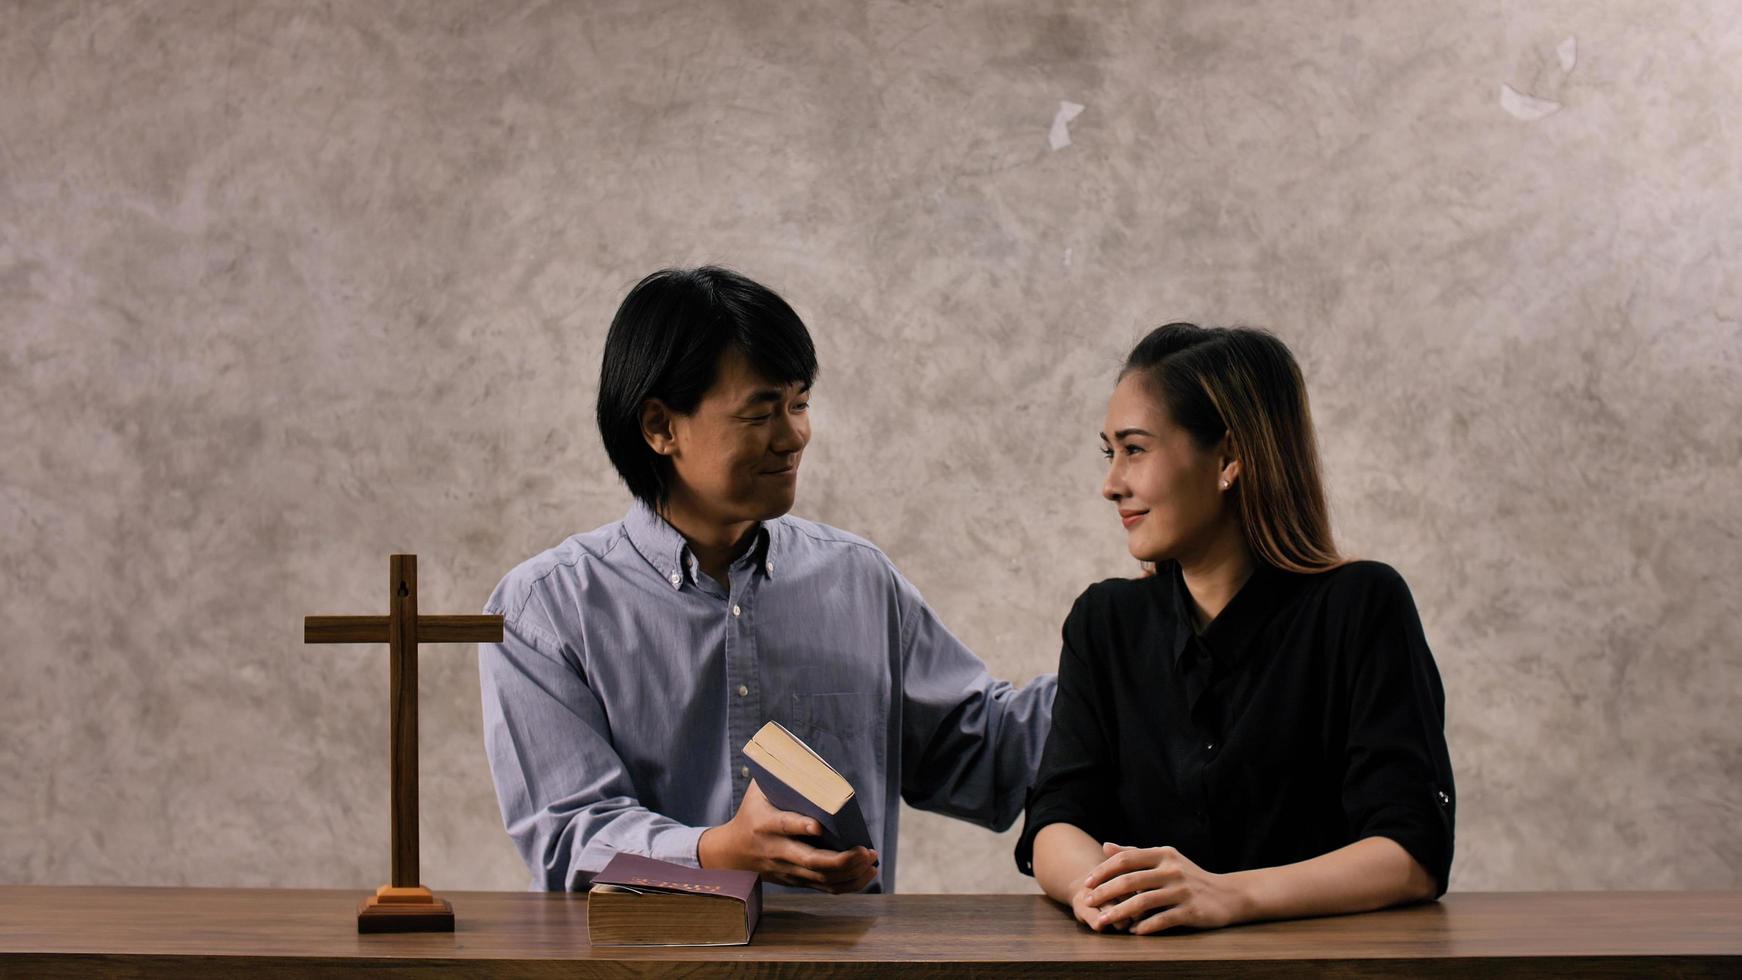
{"x": 640, "y": 657}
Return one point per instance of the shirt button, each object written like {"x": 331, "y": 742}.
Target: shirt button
{"x": 769, "y": 568}
{"x": 745, "y": 772}
{"x": 676, "y": 579}
{"x": 1209, "y": 746}
{"x": 735, "y": 609}
{"x": 743, "y": 691}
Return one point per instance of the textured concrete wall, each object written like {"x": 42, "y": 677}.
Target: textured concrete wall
{"x": 287, "y": 287}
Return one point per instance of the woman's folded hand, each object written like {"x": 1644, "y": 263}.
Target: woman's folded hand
{"x": 1151, "y": 889}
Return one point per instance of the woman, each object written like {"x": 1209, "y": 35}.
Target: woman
{"x": 1257, "y": 730}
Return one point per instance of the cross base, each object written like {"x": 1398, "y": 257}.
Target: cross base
{"x": 415, "y": 909}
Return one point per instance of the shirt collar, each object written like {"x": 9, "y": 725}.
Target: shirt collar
{"x": 1229, "y": 636}
{"x": 1174, "y": 593}
{"x": 666, "y": 550}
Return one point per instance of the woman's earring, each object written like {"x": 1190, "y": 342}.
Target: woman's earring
{"x": 1224, "y": 484}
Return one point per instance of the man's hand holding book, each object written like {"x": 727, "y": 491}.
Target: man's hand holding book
{"x": 766, "y": 840}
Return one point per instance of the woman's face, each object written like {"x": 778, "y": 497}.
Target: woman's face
{"x": 1165, "y": 486}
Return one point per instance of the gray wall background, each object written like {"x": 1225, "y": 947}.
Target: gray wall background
{"x": 287, "y": 287}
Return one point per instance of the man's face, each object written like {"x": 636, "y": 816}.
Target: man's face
{"x": 736, "y": 457}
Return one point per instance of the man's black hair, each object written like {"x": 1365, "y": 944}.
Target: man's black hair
{"x": 666, "y": 343}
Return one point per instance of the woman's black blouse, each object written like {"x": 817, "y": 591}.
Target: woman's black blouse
{"x": 1307, "y": 716}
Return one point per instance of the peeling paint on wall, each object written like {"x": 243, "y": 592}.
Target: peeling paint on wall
{"x": 1526, "y": 107}
{"x": 1060, "y": 136}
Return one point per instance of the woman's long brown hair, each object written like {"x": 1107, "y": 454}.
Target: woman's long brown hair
{"x": 1244, "y": 383}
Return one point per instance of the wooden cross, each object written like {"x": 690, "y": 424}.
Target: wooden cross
{"x": 403, "y": 904}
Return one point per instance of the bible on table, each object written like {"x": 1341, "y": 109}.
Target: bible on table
{"x": 640, "y": 901}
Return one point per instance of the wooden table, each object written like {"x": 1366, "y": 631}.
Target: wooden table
{"x": 188, "y": 933}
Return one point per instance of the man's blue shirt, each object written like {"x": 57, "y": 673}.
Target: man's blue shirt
{"x": 628, "y": 681}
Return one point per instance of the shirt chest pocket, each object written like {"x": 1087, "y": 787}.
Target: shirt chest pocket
{"x": 847, "y": 716}
{"x": 846, "y": 729}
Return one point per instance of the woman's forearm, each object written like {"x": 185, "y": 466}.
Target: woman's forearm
{"x": 1373, "y": 873}
{"x": 1063, "y": 856}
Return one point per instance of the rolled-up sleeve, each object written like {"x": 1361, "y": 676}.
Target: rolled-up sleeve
{"x": 1399, "y": 773}
{"x": 970, "y": 743}
{"x": 1077, "y": 769}
{"x": 567, "y": 800}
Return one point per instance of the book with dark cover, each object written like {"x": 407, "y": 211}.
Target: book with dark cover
{"x": 639, "y": 901}
{"x": 796, "y": 779}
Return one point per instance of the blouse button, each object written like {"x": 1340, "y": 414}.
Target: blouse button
{"x": 743, "y": 690}
{"x": 735, "y": 609}
{"x": 744, "y": 771}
